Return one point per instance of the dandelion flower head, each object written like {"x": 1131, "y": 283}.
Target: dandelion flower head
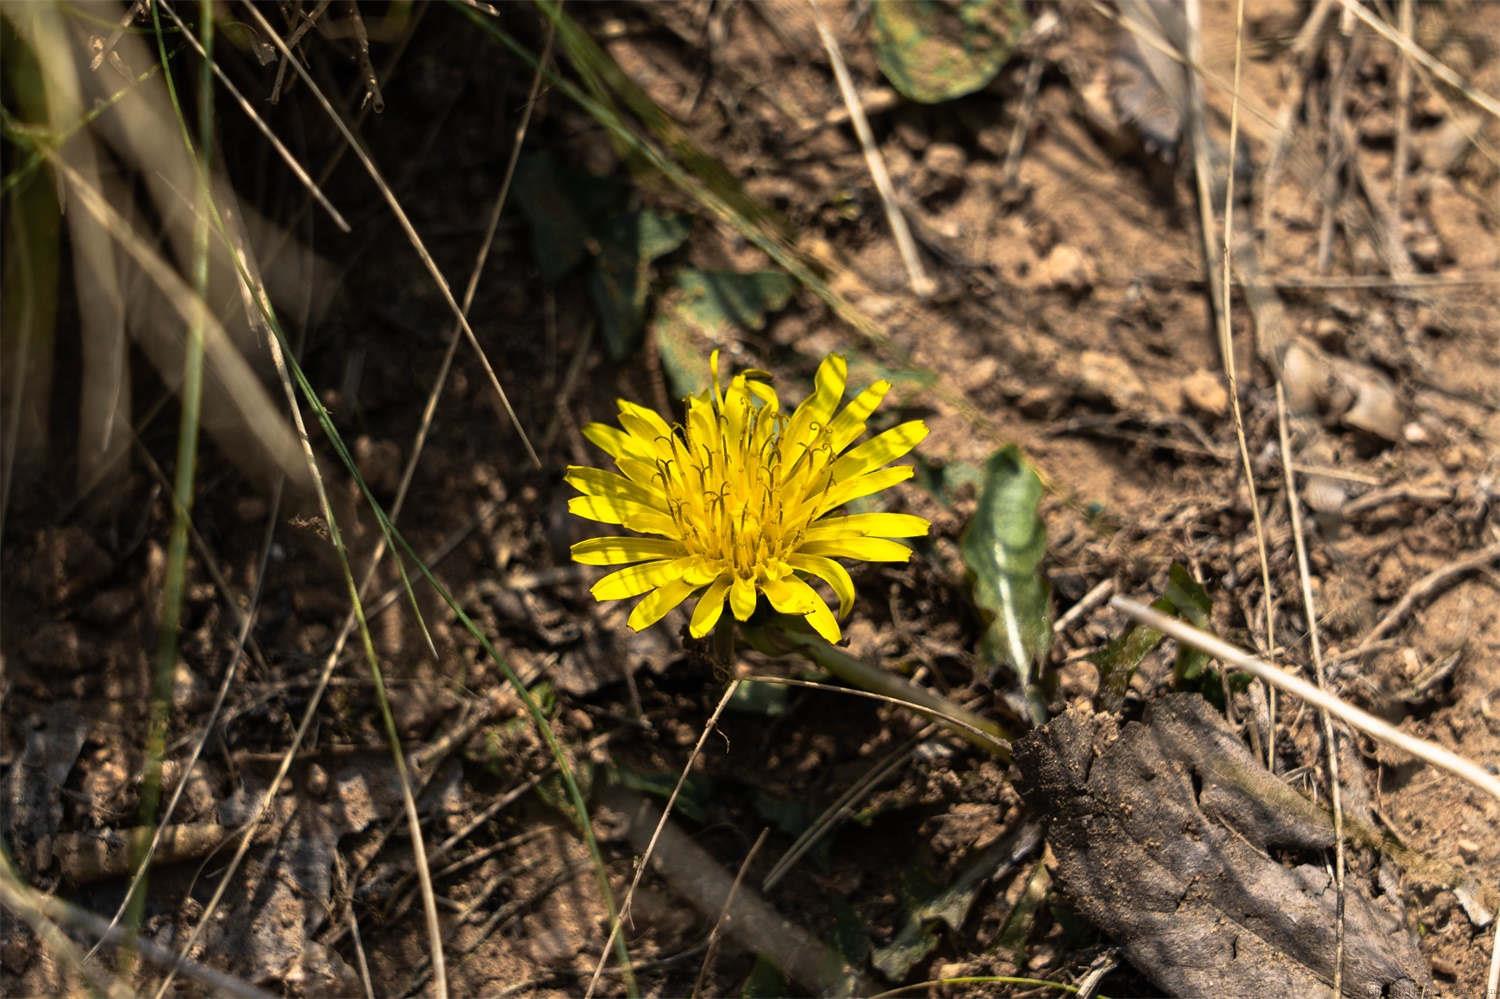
{"x": 743, "y": 500}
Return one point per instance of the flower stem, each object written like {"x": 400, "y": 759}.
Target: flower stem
{"x": 990, "y": 737}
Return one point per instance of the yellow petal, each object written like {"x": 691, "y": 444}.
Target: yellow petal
{"x": 598, "y": 482}
{"x": 624, "y": 550}
{"x": 880, "y": 525}
{"x": 766, "y": 393}
{"x": 830, "y": 572}
{"x": 631, "y": 515}
{"x": 862, "y": 485}
{"x": 823, "y": 622}
{"x": 791, "y": 595}
{"x": 864, "y": 549}
{"x": 710, "y": 606}
{"x": 655, "y": 605}
{"x": 637, "y": 579}
{"x": 650, "y": 418}
{"x": 617, "y": 443}
{"x": 742, "y": 598}
{"x": 645, "y": 434}
{"x": 850, "y": 423}
{"x": 638, "y": 470}
{"x": 817, "y": 409}
{"x": 879, "y": 450}
{"x": 700, "y": 425}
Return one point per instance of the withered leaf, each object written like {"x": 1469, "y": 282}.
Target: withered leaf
{"x": 1162, "y": 832}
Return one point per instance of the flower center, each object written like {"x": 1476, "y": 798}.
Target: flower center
{"x": 739, "y": 502}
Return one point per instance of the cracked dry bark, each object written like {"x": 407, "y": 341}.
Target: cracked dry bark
{"x": 1166, "y": 834}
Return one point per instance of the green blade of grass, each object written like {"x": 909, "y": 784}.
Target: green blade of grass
{"x": 398, "y": 542}
{"x": 191, "y": 399}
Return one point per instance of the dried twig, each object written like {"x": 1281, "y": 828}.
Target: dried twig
{"x": 362, "y": 49}
{"x": 1337, "y": 151}
{"x": 43, "y": 912}
{"x": 1425, "y": 587}
{"x": 1411, "y": 50}
{"x": 694, "y": 874}
{"x": 359, "y": 956}
{"x": 1222, "y": 299}
{"x": 1356, "y": 718}
{"x": 1029, "y": 89}
{"x": 1303, "y": 50}
{"x": 1397, "y": 494}
{"x": 1093, "y": 598}
{"x": 305, "y": 24}
{"x": 842, "y": 806}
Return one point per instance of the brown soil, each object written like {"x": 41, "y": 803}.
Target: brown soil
{"x": 1072, "y": 319}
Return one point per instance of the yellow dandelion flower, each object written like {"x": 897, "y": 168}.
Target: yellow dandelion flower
{"x": 740, "y": 501}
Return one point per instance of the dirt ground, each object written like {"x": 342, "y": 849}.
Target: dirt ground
{"x": 1055, "y": 208}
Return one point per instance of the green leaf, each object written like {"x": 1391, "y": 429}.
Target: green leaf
{"x": 930, "y": 906}
{"x": 1022, "y": 919}
{"x": 769, "y": 700}
{"x": 789, "y": 815}
{"x": 1117, "y": 661}
{"x": 918, "y": 935}
{"x": 692, "y": 801}
{"x": 704, "y": 310}
{"x": 936, "y": 50}
{"x": 1194, "y": 606}
{"x": 579, "y": 220}
{"x": 561, "y": 207}
{"x": 1003, "y": 548}
{"x": 621, "y": 277}
{"x": 946, "y": 480}
{"x": 765, "y": 981}
{"x": 850, "y": 936}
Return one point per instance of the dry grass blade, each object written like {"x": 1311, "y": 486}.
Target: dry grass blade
{"x": 981, "y": 736}
{"x": 256, "y": 295}
{"x": 260, "y": 124}
{"x": 1225, "y": 326}
{"x": 138, "y": 113}
{"x": 1194, "y": 66}
{"x": 398, "y": 756}
{"x": 1330, "y": 738}
{"x": 841, "y": 807}
{"x": 243, "y": 389}
{"x": 104, "y": 404}
{"x": 392, "y": 537}
{"x": 693, "y": 873}
{"x": 1402, "y": 152}
{"x": 430, "y": 409}
{"x": 645, "y": 859}
{"x": 921, "y": 285}
{"x": 711, "y": 952}
{"x": 1356, "y": 718}
{"x": 246, "y": 618}
{"x": 1412, "y": 51}
{"x": 404, "y": 222}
